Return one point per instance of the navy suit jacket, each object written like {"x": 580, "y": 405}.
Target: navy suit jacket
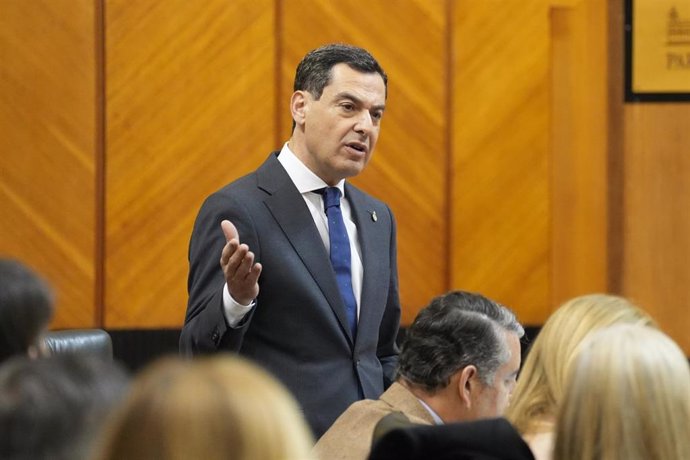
{"x": 298, "y": 329}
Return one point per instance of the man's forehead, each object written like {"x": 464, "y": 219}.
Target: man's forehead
{"x": 513, "y": 342}
{"x": 344, "y": 76}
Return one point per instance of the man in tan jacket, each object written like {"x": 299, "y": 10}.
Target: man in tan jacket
{"x": 459, "y": 362}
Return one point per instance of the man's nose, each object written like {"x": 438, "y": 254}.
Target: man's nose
{"x": 364, "y": 123}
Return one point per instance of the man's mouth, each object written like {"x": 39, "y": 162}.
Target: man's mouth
{"x": 359, "y": 146}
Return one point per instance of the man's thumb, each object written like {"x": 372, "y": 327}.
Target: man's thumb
{"x": 229, "y": 230}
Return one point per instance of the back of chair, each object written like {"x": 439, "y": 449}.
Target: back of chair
{"x": 90, "y": 341}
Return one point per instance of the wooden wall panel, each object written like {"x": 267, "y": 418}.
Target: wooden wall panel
{"x": 47, "y": 140}
{"x": 190, "y": 106}
{"x": 649, "y": 149}
{"x": 408, "y": 168}
{"x": 657, "y": 214}
{"x": 532, "y": 181}
{"x": 500, "y": 239}
{"x": 579, "y": 153}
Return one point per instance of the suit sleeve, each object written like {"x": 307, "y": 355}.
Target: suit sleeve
{"x": 205, "y": 329}
{"x": 387, "y": 350}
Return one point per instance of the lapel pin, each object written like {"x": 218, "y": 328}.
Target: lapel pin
{"x": 374, "y": 217}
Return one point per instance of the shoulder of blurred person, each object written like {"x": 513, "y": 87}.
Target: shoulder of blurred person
{"x": 485, "y": 439}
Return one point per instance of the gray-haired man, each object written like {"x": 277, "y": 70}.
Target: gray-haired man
{"x": 459, "y": 362}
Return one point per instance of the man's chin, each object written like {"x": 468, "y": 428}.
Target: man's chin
{"x": 352, "y": 168}
{"x": 350, "y": 173}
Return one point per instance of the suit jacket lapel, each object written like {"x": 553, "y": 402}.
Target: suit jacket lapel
{"x": 374, "y": 246}
{"x": 293, "y": 217}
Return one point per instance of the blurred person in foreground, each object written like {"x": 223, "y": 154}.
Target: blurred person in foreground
{"x": 539, "y": 387}
{"x": 626, "y": 397}
{"x": 53, "y": 408}
{"x": 26, "y": 309}
{"x": 213, "y": 408}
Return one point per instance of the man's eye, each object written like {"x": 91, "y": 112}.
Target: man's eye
{"x": 348, "y": 107}
{"x": 377, "y": 115}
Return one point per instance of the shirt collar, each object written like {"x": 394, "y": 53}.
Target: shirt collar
{"x": 304, "y": 178}
{"x": 434, "y": 415}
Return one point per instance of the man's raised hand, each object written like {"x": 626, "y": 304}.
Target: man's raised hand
{"x": 237, "y": 262}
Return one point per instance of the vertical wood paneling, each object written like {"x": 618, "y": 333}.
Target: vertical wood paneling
{"x": 651, "y": 211}
{"x": 190, "y": 107}
{"x": 579, "y": 154}
{"x": 500, "y": 238}
{"x": 47, "y": 145}
{"x": 507, "y": 161}
{"x": 408, "y": 168}
{"x": 657, "y": 214}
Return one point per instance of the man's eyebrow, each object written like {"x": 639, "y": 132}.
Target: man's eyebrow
{"x": 348, "y": 95}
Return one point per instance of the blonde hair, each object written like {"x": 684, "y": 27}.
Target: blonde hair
{"x": 627, "y": 397}
{"x": 539, "y": 387}
{"x": 221, "y": 407}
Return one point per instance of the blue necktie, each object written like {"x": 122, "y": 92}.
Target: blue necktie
{"x": 340, "y": 253}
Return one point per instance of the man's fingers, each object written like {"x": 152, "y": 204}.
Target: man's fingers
{"x": 255, "y": 272}
{"x": 250, "y": 276}
{"x": 237, "y": 256}
{"x": 228, "y": 250}
{"x": 237, "y": 262}
{"x": 229, "y": 230}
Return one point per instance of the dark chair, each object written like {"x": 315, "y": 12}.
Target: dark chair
{"x": 90, "y": 341}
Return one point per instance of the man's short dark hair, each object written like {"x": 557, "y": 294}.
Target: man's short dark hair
{"x": 26, "y": 307}
{"x": 314, "y": 71}
{"x": 456, "y": 330}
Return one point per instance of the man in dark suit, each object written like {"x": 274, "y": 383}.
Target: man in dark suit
{"x": 275, "y": 296}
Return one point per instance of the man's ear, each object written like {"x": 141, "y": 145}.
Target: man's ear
{"x": 299, "y": 106}
{"x": 467, "y": 384}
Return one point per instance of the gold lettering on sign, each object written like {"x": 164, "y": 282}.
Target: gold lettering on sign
{"x": 661, "y": 46}
{"x": 678, "y": 29}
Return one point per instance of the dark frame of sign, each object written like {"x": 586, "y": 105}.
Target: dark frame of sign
{"x": 640, "y": 96}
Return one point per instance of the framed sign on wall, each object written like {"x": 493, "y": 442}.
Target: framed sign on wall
{"x": 657, "y": 50}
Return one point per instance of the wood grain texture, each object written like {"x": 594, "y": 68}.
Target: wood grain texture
{"x": 656, "y": 214}
{"x": 190, "y": 107}
{"x": 500, "y": 239}
{"x": 651, "y": 210}
{"x": 579, "y": 154}
{"x": 532, "y": 181}
{"x": 47, "y": 140}
{"x": 408, "y": 169}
